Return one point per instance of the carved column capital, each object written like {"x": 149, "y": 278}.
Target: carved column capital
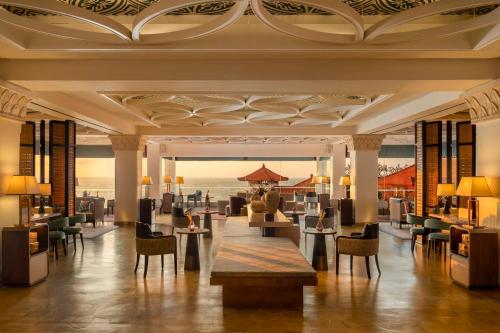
{"x": 13, "y": 104}
{"x": 128, "y": 142}
{"x": 364, "y": 142}
{"x": 484, "y": 104}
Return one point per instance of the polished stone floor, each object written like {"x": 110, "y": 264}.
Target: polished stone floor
{"x": 97, "y": 291}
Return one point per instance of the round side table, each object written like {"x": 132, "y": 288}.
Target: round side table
{"x": 319, "y": 256}
{"x": 192, "y": 259}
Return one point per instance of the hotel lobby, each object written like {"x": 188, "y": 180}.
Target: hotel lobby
{"x": 249, "y": 166}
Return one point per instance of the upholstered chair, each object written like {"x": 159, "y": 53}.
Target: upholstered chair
{"x": 56, "y": 234}
{"x": 148, "y": 244}
{"x": 438, "y": 235}
{"x": 417, "y": 228}
{"x": 364, "y": 244}
{"x": 235, "y": 205}
{"x": 73, "y": 230}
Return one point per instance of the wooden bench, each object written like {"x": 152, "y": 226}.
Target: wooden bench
{"x": 257, "y": 271}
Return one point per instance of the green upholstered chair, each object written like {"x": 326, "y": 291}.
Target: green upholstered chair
{"x": 56, "y": 234}
{"x": 436, "y": 235}
{"x": 417, "y": 228}
{"x": 73, "y": 230}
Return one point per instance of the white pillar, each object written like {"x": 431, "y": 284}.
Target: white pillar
{"x": 364, "y": 150}
{"x": 321, "y": 166}
{"x": 154, "y": 170}
{"x": 10, "y": 132}
{"x": 128, "y": 151}
{"x": 169, "y": 170}
{"x": 338, "y": 170}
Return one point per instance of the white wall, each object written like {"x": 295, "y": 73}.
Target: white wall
{"x": 9, "y": 165}
{"x": 488, "y": 164}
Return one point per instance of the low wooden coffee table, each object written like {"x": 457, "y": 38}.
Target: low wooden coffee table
{"x": 192, "y": 260}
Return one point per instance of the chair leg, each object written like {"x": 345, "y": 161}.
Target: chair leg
{"x": 305, "y": 244}
{"x": 413, "y": 239}
{"x": 376, "y": 262}
{"x": 55, "y": 249}
{"x": 428, "y": 247}
{"x": 146, "y": 259}
{"x": 162, "y": 262}
{"x": 64, "y": 248}
{"x": 137, "y": 262}
{"x": 175, "y": 262}
{"x": 351, "y": 259}
{"x": 81, "y": 239}
{"x": 74, "y": 242}
{"x": 337, "y": 258}
{"x": 367, "y": 261}
{"x": 444, "y": 250}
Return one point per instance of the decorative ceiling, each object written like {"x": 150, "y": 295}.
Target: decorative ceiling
{"x": 276, "y": 7}
{"x": 249, "y": 140}
{"x": 395, "y": 22}
{"x": 232, "y": 110}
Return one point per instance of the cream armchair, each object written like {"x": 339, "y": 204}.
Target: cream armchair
{"x": 364, "y": 244}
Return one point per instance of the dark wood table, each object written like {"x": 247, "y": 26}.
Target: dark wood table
{"x": 294, "y": 214}
{"x": 207, "y": 221}
{"x": 319, "y": 256}
{"x": 192, "y": 260}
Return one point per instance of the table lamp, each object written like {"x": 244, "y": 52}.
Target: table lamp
{"x": 167, "y": 180}
{"x": 346, "y": 182}
{"x": 179, "y": 181}
{"x": 24, "y": 187}
{"x": 322, "y": 180}
{"x": 45, "y": 191}
{"x": 147, "y": 181}
{"x": 473, "y": 187}
{"x": 446, "y": 191}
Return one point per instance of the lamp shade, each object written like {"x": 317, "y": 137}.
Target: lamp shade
{"x": 446, "y": 190}
{"x": 23, "y": 185}
{"x": 345, "y": 181}
{"x": 179, "y": 180}
{"x": 146, "y": 180}
{"x": 167, "y": 179}
{"x": 315, "y": 180}
{"x": 45, "y": 188}
{"x": 473, "y": 187}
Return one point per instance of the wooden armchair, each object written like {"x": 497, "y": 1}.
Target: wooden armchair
{"x": 364, "y": 244}
{"x": 148, "y": 243}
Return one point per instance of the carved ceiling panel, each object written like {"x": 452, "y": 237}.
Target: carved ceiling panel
{"x": 244, "y": 110}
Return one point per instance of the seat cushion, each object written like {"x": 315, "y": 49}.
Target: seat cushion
{"x": 417, "y": 230}
{"x": 57, "y": 235}
{"x": 439, "y": 236}
{"x": 72, "y": 230}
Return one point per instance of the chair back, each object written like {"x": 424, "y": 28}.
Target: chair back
{"x": 143, "y": 231}
{"x": 328, "y": 221}
{"x": 311, "y": 221}
{"x": 370, "y": 231}
{"x": 78, "y": 218}
{"x": 111, "y": 203}
{"x": 414, "y": 219}
{"x": 435, "y": 224}
{"x": 235, "y": 204}
{"x": 58, "y": 224}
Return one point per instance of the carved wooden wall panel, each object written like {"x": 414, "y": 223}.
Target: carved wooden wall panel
{"x": 466, "y": 154}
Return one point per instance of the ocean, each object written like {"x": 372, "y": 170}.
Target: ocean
{"x": 220, "y": 188}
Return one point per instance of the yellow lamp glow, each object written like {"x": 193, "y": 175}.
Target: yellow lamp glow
{"x": 179, "y": 180}
{"x": 345, "y": 181}
{"x": 45, "y": 189}
{"x": 147, "y": 180}
{"x": 473, "y": 187}
{"x": 24, "y": 186}
{"x": 167, "y": 179}
{"x": 445, "y": 190}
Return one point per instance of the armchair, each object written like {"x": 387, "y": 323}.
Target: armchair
{"x": 148, "y": 243}
{"x": 235, "y": 205}
{"x": 194, "y": 197}
{"x": 398, "y": 208}
{"x": 364, "y": 244}
{"x": 93, "y": 209}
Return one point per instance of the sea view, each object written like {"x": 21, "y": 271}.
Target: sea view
{"x": 220, "y": 188}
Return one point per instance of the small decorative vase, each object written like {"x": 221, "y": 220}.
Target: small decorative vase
{"x": 319, "y": 225}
